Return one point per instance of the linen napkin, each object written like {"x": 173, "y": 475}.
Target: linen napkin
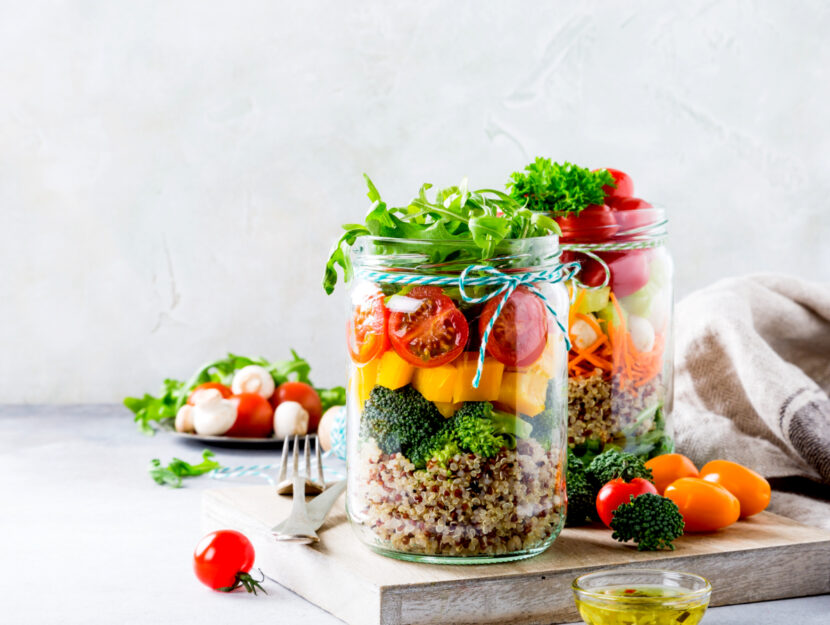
{"x": 752, "y": 380}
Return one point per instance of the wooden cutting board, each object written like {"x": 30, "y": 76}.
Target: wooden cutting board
{"x": 765, "y": 557}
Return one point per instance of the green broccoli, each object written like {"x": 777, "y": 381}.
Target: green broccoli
{"x": 548, "y": 420}
{"x": 480, "y": 429}
{"x": 650, "y": 520}
{"x": 440, "y": 445}
{"x": 612, "y": 464}
{"x": 581, "y": 497}
{"x": 400, "y": 420}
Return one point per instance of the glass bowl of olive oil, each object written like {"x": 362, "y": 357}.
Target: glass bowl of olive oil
{"x": 641, "y": 597}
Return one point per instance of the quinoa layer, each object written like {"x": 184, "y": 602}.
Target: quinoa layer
{"x": 473, "y": 506}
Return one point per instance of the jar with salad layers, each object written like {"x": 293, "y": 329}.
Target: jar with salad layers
{"x": 457, "y": 406}
{"x": 620, "y": 319}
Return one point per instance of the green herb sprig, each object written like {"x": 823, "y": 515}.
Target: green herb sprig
{"x": 485, "y": 217}
{"x": 172, "y": 474}
{"x": 559, "y": 188}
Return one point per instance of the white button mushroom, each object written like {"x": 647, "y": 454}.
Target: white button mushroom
{"x": 582, "y": 334}
{"x": 184, "y": 419}
{"x": 290, "y": 418}
{"x": 204, "y": 395}
{"x": 325, "y": 426}
{"x": 253, "y": 379}
{"x": 642, "y": 333}
{"x": 215, "y": 416}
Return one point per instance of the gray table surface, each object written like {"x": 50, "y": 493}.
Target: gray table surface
{"x": 87, "y": 537}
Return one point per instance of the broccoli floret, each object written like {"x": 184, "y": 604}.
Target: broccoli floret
{"x": 480, "y": 429}
{"x": 612, "y": 464}
{"x": 439, "y": 445}
{"x": 400, "y": 420}
{"x": 581, "y": 496}
{"x": 650, "y": 520}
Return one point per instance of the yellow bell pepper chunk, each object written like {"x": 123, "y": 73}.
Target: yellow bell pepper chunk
{"x": 523, "y": 392}
{"x": 447, "y": 408}
{"x": 548, "y": 362}
{"x": 393, "y": 371}
{"x": 488, "y": 387}
{"x": 435, "y": 383}
{"x": 365, "y": 378}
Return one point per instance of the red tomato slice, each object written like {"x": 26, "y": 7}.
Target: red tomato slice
{"x": 224, "y": 390}
{"x": 521, "y": 330}
{"x": 366, "y": 330}
{"x": 304, "y": 395}
{"x": 593, "y": 223}
{"x": 434, "y": 334}
{"x": 254, "y": 417}
{"x": 625, "y": 186}
{"x": 617, "y": 492}
{"x": 629, "y": 270}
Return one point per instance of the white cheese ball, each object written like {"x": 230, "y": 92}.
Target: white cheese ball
{"x": 582, "y": 334}
{"x": 253, "y": 379}
{"x": 214, "y": 417}
{"x": 642, "y": 333}
{"x": 184, "y": 419}
{"x": 290, "y": 418}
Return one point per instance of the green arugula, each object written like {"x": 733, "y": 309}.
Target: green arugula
{"x": 456, "y": 215}
{"x": 174, "y": 393}
{"x": 172, "y": 474}
{"x": 554, "y": 188}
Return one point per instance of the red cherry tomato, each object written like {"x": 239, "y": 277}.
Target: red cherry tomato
{"x": 593, "y": 223}
{"x": 617, "y": 492}
{"x": 366, "y": 330}
{"x": 520, "y": 332}
{"x": 304, "y": 395}
{"x": 222, "y": 561}
{"x": 631, "y": 213}
{"x": 625, "y": 186}
{"x": 224, "y": 390}
{"x": 434, "y": 334}
{"x": 629, "y": 270}
{"x": 254, "y": 417}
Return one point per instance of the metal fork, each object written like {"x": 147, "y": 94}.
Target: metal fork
{"x": 287, "y": 484}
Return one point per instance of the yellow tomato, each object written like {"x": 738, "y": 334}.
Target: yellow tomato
{"x": 705, "y": 506}
{"x": 670, "y": 467}
{"x": 751, "y": 489}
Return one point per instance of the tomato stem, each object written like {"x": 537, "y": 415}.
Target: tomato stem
{"x": 246, "y": 581}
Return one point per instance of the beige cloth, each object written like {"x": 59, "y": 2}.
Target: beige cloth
{"x": 752, "y": 381}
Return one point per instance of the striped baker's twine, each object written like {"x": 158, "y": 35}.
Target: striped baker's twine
{"x": 487, "y": 276}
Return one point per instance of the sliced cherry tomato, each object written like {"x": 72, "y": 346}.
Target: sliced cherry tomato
{"x": 670, "y": 467}
{"x": 705, "y": 506}
{"x": 624, "y": 185}
{"x": 366, "y": 330}
{"x": 751, "y": 489}
{"x": 223, "y": 559}
{"x": 520, "y": 332}
{"x": 629, "y": 270}
{"x": 434, "y": 334}
{"x": 593, "y": 223}
{"x": 304, "y": 395}
{"x": 224, "y": 390}
{"x": 617, "y": 492}
{"x": 254, "y": 417}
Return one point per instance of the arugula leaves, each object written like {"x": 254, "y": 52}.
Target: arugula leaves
{"x": 174, "y": 393}
{"x": 551, "y": 187}
{"x": 172, "y": 474}
{"x": 456, "y": 215}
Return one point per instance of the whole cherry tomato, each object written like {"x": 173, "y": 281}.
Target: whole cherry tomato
{"x": 304, "y": 395}
{"x": 751, "y": 489}
{"x": 222, "y": 561}
{"x": 631, "y": 213}
{"x": 223, "y": 390}
{"x": 705, "y": 506}
{"x": 670, "y": 467}
{"x": 617, "y": 492}
{"x": 624, "y": 185}
{"x": 254, "y": 417}
{"x": 593, "y": 223}
{"x": 434, "y": 334}
{"x": 629, "y": 270}
{"x": 366, "y": 330}
{"x": 520, "y": 332}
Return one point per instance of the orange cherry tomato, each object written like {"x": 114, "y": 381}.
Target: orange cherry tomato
{"x": 705, "y": 506}
{"x": 670, "y": 467}
{"x": 751, "y": 489}
{"x": 224, "y": 390}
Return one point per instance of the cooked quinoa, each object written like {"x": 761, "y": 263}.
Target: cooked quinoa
{"x": 473, "y": 506}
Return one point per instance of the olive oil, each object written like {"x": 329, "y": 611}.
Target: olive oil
{"x": 635, "y": 605}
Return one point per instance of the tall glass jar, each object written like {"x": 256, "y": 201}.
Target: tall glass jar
{"x": 620, "y": 363}
{"x": 450, "y": 459}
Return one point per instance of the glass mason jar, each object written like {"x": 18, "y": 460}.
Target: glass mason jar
{"x": 443, "y": 467}
{"x": 620, "y": 363}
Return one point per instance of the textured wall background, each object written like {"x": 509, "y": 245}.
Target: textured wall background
{"x": 173, "y": 174}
